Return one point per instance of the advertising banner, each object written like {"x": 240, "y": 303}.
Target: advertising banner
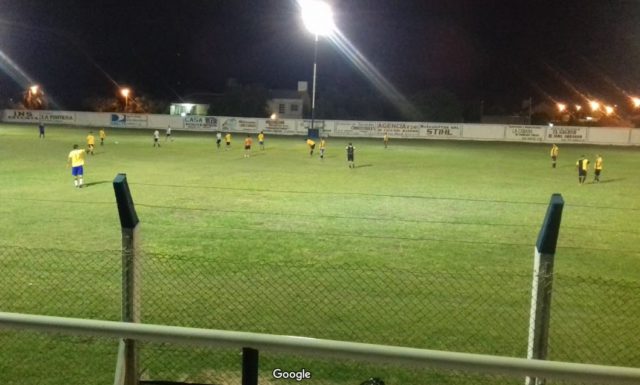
{"x": 127, "y": 120}
{"x": 280, "y": 126}
{"x": 440, "y": 130}
{"x": 201, "y": 123}
{"x": 566, "y": 134}
{"x": 136, "y": 121}
{"x": 525, "y": 133}
{"x": 117, "y": 120}
{"x": 399, "y": 129}
{"x": 21, "y": 116}
{"x": 239, "y": 125}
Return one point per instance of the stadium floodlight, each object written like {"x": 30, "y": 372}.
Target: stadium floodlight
{"x": 578, "y": 107}
{"x": 318, "y": 19}
{"x": 34, "y": 89}
{"x": 274, "y": 116}
{"x": 561, "y": 107}
{"x": 635, "y": 101}
{"x": 595, "y": 106}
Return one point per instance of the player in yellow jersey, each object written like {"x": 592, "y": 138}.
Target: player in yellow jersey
{"x": 247, "y": 146}
{"x": 554, "y": 155}
{"x": 323, "y": 145}
{"x": 76, "y": 161}
{"x": 583, "y": 166}
{"x": 597, "y": 168}
{"x": 385, "y": 138}
{"x": 312, "y": 146}
{"x": 103, "y": 136}
{"x": 227, "y": 140}
{"x": 91, "y": 143}
{"x": 261, "y": 140}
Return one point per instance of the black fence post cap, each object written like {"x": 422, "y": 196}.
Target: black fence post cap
{"x": 126, "y": 210}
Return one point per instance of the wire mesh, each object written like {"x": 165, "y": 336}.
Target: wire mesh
{"x": 593, "y": 320}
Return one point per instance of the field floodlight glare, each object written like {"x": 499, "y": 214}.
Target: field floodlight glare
{"x": 317, "y": 17}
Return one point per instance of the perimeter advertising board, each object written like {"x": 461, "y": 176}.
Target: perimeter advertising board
{"x": 239, "y": 125}
{"x": 399, "y": 129}
{"x": 567, "y": 134}
{"x": 525, "y": 133}
{"x": 200, "y": 123}
{"x": 127, "y": 120}
{"x": 280, "y": 126}
{"x": 56, "y": 117}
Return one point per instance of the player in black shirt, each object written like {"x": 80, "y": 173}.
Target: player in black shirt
{"x": 350, "y": 153}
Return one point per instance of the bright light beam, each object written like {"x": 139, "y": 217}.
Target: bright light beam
{"x": 387, "y": 89}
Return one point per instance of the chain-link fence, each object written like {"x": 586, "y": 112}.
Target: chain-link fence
{"x": 60, "y": 283}
{"x": 467, "y": 310}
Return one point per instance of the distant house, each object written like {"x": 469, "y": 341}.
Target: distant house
{"x": 289, "y": 104}
{"x": 185, "y": 109}
{"x": 286, "y": 104}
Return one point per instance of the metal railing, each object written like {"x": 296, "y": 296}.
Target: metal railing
{"x": 328, "y": 348}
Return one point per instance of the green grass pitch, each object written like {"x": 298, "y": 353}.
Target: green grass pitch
{"x": 416, "y": 203}
{"x": 446, "y": 206}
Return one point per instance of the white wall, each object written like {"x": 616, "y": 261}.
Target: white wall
{"x": 339, "y": 128}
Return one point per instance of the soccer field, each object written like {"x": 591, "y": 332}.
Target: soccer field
{"x": 407, "y": 249}
{"x": 415, "y": 204}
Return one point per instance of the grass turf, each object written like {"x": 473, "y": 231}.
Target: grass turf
{"x": 463, "y": 208}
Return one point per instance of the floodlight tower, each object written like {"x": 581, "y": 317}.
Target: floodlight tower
{"x": 318, "y": 19}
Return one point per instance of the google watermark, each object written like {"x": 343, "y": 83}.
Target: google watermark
{"x": 299, "y": 375}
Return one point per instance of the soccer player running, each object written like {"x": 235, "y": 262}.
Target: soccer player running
{"x": 350, "y": 155}
{"x": 227, "y": 140}
{"x": 156, "y": 138}
{"x": 323, "y": 145}
{"x": 91, "y": 143}
{"x": 385, "y": 138}
{"x": 261, "y": 140}
{"x": 597, "y": 168}
{"x": 312, "y": 146}
{"x": 554, "y": 155}
{"x": 218, "y": 139}
{"x": 247, "y": 146}
{"x": 583, "y": 166}
{"x": 76, "y": 161}
{"x": 103, "y": 136}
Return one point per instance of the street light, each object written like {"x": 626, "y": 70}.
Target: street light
{"x": 33, "y": 98}
{"x": 125, "y": 92}
{"x": 608, "y": 110}
{"x": 318, "y": 19}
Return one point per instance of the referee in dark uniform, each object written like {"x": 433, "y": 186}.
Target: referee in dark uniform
{"x": 350, "y": 154}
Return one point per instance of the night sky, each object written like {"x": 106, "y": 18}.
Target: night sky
{"x": 500, "y": 52}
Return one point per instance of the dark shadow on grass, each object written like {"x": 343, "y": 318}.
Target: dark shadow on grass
{"x": 363, "y": 165}
{"x": 95, "y": 183}
{"x": 611, "y": 180}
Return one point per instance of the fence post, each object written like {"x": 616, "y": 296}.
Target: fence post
{"x": 130, "y": 266}
{"x": 542, "y": 284}
{"x": 249, "y": 366}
